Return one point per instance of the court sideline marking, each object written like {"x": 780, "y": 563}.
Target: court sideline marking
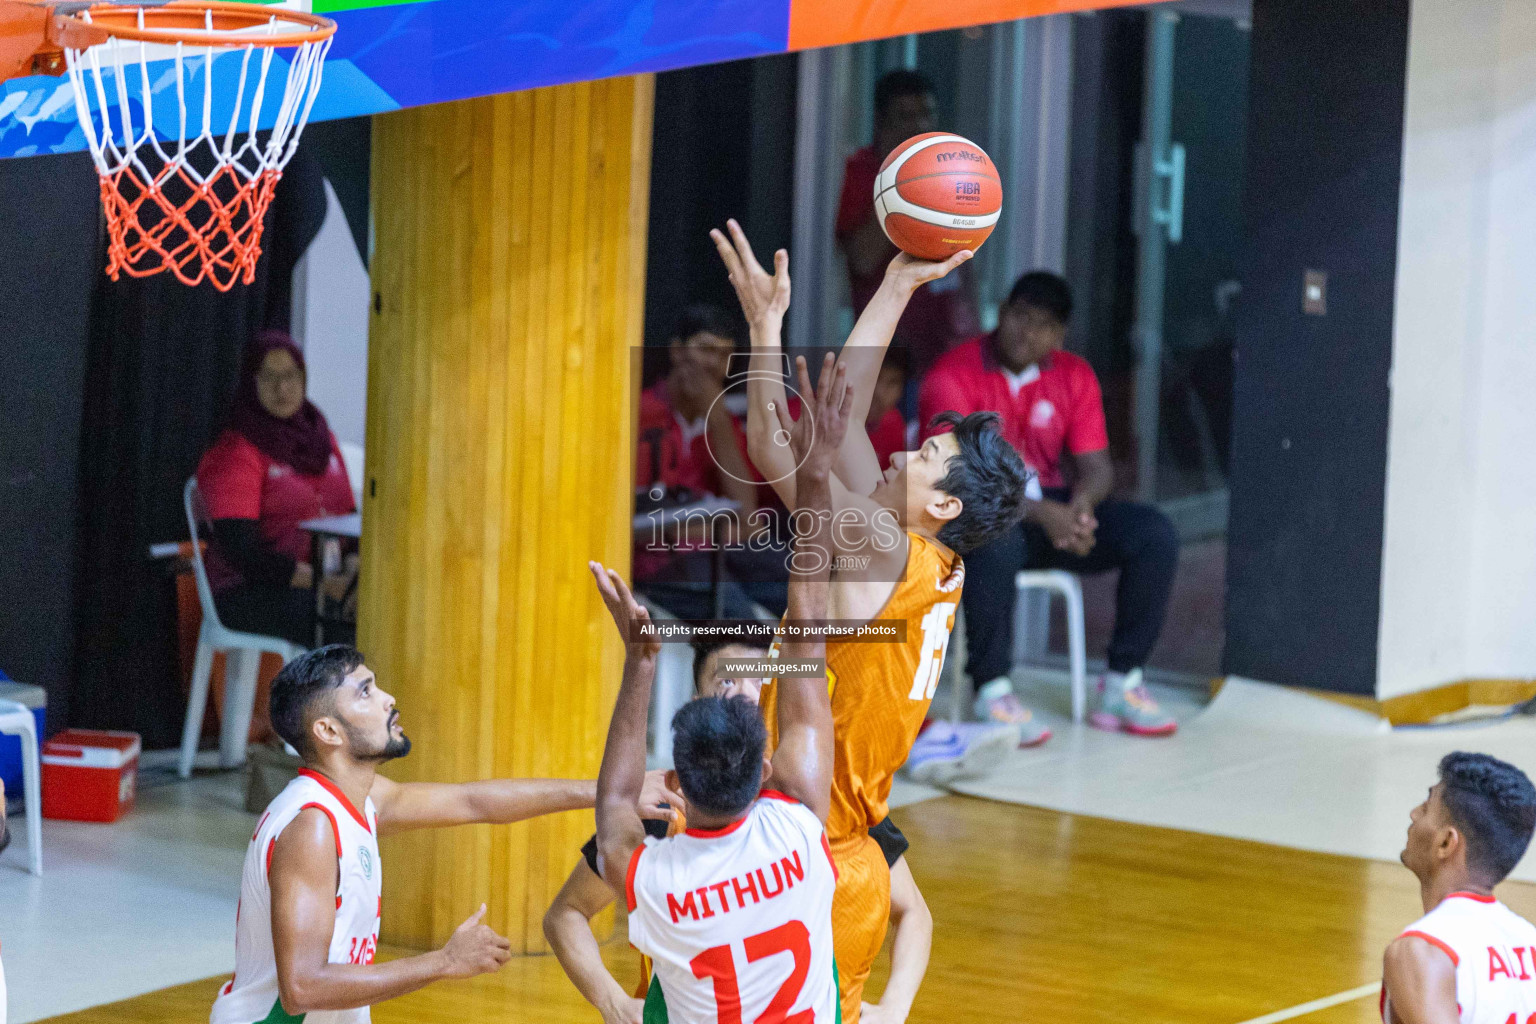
{"x": 1318, "y": 1004}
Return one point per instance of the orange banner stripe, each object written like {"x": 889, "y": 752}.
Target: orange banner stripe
{"x": 815, "y": 23}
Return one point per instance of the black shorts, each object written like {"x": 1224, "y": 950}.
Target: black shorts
{"x": 653, "y": 828}
{"x": 892, "y": 843}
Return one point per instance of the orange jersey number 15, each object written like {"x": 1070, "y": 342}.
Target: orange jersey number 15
{"x": 936, "y": 629}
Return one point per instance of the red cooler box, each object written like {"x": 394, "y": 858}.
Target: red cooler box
{"x": 89, "y": 775}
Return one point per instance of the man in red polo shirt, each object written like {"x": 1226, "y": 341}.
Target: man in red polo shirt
{"x": 689, "y": 446}
{"x": 1051, "y": 407}
{"x": 938, "y": 312}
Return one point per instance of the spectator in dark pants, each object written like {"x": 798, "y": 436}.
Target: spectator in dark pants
{"x": 1051, "y": 407}
{"x": 691, "y": 447}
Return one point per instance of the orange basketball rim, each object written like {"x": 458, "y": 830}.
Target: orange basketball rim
{"x": 188, "y": 162}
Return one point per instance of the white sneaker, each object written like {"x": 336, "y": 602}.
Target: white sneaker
{"x": 946, "y": 752}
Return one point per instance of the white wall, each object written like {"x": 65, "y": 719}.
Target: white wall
{"x": 330, "y": 322}
{"x": 1459, "y": 563}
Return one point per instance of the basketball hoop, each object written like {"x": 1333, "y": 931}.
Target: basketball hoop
{"x": 181, "y": 191}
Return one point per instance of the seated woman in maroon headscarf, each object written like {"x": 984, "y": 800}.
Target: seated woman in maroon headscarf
{"x": 276, "y": 465}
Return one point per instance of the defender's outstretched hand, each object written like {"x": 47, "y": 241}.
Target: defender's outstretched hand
{"x": 764, "y": 298}
{"x": 629, "y": 615}
{"x": 815, "y": 437}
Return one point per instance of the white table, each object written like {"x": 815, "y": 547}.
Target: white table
{"x": 350, "y": 526}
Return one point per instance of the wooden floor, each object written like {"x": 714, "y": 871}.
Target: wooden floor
{"x": 1045, "y": 916}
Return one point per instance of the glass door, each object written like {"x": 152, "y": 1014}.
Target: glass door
{"x": 1187, "y": 219}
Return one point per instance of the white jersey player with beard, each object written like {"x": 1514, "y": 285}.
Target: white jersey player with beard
{"x": 253, "y": 993}
{"x": 307, "y": 928}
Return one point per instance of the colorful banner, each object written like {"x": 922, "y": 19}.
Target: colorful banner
{"x": 814, "y": 23}
{"x": 399, "y": 53}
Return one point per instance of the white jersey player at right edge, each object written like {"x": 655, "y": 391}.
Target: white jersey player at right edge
{"x": 736, "y": 913}
{"x": 1469, "y": 959}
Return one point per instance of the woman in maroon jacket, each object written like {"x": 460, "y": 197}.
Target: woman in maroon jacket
{"x": 275, "y": 465}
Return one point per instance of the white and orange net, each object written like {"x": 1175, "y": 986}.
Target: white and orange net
{"x": 172, "y": 107}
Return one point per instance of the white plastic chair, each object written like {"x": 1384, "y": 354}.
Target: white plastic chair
{"x": 1029, "y": 634}
{"x": 16, "y": 720}
{"x": 242, "y": 654}
{"x": 1067, "y": 585}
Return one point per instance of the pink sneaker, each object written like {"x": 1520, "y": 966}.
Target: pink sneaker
{"x": 997, "y": 703}
{"x": 1126, "y": 706}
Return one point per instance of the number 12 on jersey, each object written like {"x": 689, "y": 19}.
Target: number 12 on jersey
{"x": 936, "y": 628}
{"x": 719, "y": 965}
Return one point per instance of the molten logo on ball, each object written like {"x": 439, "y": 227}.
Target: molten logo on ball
{"x": 930, "y": 186}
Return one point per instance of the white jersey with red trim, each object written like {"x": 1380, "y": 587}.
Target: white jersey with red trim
{"x": 738, "y": 920}
{"x": 1494, "y": 950}
{"x": 251, "y": 996}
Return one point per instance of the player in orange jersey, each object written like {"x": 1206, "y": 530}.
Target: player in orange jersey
{"x": 898, "y": 536}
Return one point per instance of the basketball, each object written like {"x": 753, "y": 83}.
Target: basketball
{"x": 937, "y": 194}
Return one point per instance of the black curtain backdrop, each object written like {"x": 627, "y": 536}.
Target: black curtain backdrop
{"x": 162, "y": 362}
{"x": 49, "y": 257}
{"x": 344, "y": 149}
{"x": 723, "y": 145}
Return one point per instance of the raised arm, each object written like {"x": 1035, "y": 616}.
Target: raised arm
{"x": 303, "y": 877}
{"x": 619, "y": 832}
{"x": 864, "y": 351}
{"x": 802, "y": 762}
{"x": 764, "y": 300}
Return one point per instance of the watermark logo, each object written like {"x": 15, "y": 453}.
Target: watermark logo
{"x": 718, "y": 426}
{"x": 764, "y": 634}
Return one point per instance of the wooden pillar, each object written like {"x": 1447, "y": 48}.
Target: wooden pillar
{"x": 508, "y": 277}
